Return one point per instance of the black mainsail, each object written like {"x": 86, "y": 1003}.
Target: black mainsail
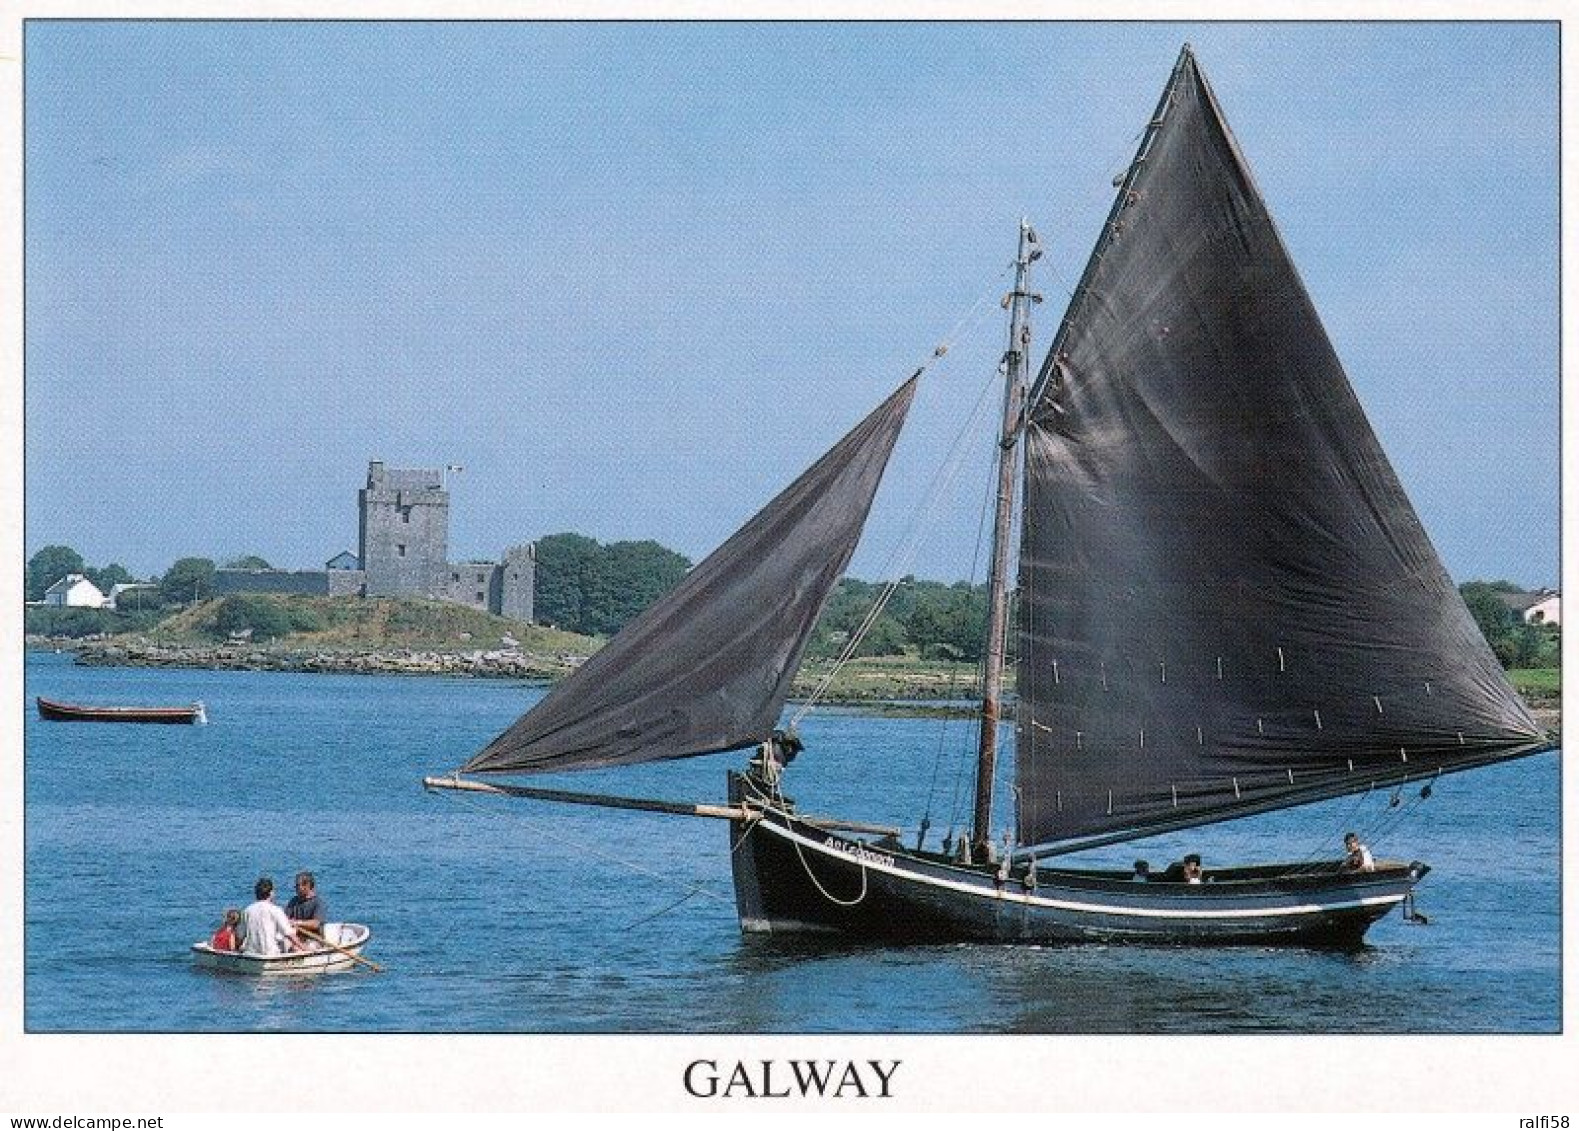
{"x": 1227, "y": 603}
{"x": 709, "y": 666}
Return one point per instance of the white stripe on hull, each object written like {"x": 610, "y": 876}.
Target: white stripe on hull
{"x": 1031, "y": 900}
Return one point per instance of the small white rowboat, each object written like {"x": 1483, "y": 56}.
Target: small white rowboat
{"x": 350, "y": 938}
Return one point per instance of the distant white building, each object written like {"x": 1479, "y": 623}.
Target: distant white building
{"x": 1540, "y": 606}
{"x": 75, "y": 591}
{"x": 120, "y": 590}
{"x": 1548, "y": 610}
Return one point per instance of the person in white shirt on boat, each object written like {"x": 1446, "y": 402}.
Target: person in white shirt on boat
{"x": 264, "y": 927}
{"x": 1358, "y": 858}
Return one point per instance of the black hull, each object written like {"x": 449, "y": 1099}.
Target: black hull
{"x": 791, "y": 877}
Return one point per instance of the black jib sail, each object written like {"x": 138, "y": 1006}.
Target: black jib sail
{"x": 708, "y": 667}
{"x": 1227, "y": 603}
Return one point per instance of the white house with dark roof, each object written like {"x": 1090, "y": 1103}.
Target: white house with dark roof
{"x": 128, "y": 591}
{"x": 75, "y": 591}
{"x": 1542, "y": 606}
{"x": 1547, "y": 610}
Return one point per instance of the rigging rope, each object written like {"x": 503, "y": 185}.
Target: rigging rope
{"x": 666, "y": 877}
{"x": 1399, "y": 811}
{"x": 660, "y": 913}
{"x": 973, "y": 316}
{"x": 937, "y": 762}
{"x": 902, "y": 556}
{"x": 1114, "y": 172}
{"x": 776, "y": 794}
{"x": 1396, "y": 814}
{"x": 1321, "y": 854}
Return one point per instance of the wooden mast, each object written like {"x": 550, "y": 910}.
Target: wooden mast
{"x": 1015, "y": 371}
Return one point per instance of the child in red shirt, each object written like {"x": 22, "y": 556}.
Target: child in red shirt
{"x": 225, "y": 937}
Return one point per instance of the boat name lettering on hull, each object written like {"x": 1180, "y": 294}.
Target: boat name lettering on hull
{"x": 859, "y": 851}
{"x": 782, "y": 1079}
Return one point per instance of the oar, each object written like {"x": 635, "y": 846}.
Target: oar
{"x": 351, "y": 954}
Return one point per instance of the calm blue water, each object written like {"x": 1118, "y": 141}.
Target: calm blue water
{"x": 509, "y": 916}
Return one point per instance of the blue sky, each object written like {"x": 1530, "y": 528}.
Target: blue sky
{"x": 634, "y": 277}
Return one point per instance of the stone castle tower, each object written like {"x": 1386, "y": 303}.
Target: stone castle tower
{"x": 403, "y": 541}
{"x": 517, "y": 576}
{"x": 403, "y": 531}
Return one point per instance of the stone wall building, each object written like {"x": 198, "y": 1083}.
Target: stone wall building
{"x": 404, "y": 531}
{"x": 339, "y": 578}
{"x": 403, "y": 538}
{"x": 503, "y": 587}
{"x": 403, "y": 547}
{"x": 311, "y": 582}
{"x": 517, "y": 578}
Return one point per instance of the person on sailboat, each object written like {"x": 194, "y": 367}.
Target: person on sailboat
{"x": 1142, "y": 872}
{"x": 777, "y": 753}
{"x": 785, "y": 745}
{"x": 264, "y": 928}
{"x": 1192, "y": 869}
{"x": 1358, "y": 858}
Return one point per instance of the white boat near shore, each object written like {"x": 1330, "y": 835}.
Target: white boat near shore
{"x": 349, "y": 938}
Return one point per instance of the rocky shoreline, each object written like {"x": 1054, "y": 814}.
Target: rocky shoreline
{"x": 498, "y": 664}
{"x": 892, "y": 693}
{"x": 895, "y": 694}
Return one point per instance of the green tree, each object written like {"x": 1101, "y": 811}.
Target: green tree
{"x": 843, "y": 615}
{"x": 885, "y": 637}
{"x": 48, "y": 566}
{"x": 1491, "y": 612}
{"x": 303, "y": 617}
{"x": 587, "y": 587}
{"x": 949, "y": 621}
{"x": 630, "y": 577}
{"x": 49, "y": 620}
{"x": 564, "y": 564}
{"x": 1515, "y": 643}
{"x": 247, "y": 561}
{"x": 109, "y": 577}
{"x": 188, "y": 580}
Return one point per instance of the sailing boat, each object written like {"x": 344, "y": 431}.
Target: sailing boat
{"x": 1225, "y": 606}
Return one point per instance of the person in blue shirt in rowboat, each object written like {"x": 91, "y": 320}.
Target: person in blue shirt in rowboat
{"x": 307, "y": 909}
